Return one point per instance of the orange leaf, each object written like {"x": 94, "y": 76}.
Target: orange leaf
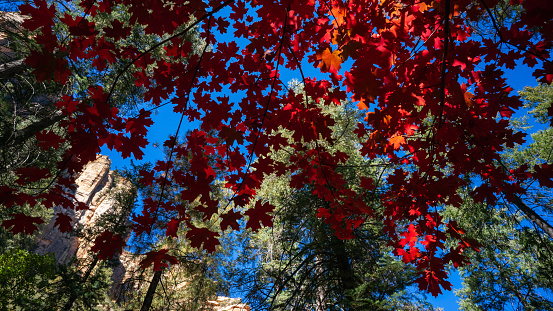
{"x": 392, "y": 7}
{"x": 329, "y": 60}
{"x": 454, "y": 11}
{"x": 423, "y": 6}
{"x": 468, "y": 99}
{"x": 362, "y": 105}
{"x": 396, "y": 141}
{"x": 338, "y": 13}
{"x": 378, "y": 116}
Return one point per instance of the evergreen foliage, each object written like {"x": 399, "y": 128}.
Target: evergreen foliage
{"x": 513, "y": 269}
{"x": 298, "y": 264}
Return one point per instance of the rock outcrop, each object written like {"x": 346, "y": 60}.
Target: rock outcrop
{"x": 97, "y": 188}
{"x": 10, "y": 23}
{"x": 228, "y": 304}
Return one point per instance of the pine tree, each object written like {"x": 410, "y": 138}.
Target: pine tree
{"x": 300, "y": 264}
{"x": 514, "y": 265}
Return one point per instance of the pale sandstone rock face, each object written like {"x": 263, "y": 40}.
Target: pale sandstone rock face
{"x": 228, "y": 304}
{"x": 96, "y": 188}
{"x": 9, "y": 22}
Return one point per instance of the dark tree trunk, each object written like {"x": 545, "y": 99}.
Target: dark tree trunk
{"x": 151, "y": 291}
{"x": 29, "y": 132}
{"x": 12, "y": 68}
{"x": 69, "y": 305}
{"x": 532, "y": 215}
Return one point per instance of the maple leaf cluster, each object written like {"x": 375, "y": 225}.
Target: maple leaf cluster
{"x": 438, "y": 108}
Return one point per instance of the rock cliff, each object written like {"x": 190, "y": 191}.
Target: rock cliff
{"x": 98, "y": 187}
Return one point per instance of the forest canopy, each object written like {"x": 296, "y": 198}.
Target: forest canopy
{"x": 433, "y": 126}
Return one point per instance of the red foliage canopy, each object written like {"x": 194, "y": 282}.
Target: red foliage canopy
{"x": 435, "y": 92}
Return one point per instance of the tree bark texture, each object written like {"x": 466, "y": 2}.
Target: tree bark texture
{"x": 151, "y": 291}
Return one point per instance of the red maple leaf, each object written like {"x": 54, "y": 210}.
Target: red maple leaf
{"x": 172, "y": 227}
{"x": 80, "y": 206}
{"x": 323, "y": 213}
{"x": 28, "y": 175}
{"x": 230, "y": 219}
{"x": 454, "y": 230}
{"x": 146, "y": 177}
{"x": 202, "y": 237}
{"x": 432, "y": 280}
{"x": 42, "y": 15}
{"x": 159, "y": 258}
{"x": 107, "y": 245}
{"x": 455, "y": 256}
{"x": 231, "y": 135}
{"x": 408, "y": 255}
{"x": 132, "y": 145}
{"x": 410, "y": 236}
{"x": 139, "y": 124}
{"x": 259, "y": 214}
{"x": 47, "y": 140}
{"x": 142, "y": 223}
{"x": 79, "y": 26}
{"x": 63, "y": 222}
{"x": 22, "y": 223}
{"x": 117, "y": 30}
{"x": 544, "y": 175}
{"x": 47, "y": 67}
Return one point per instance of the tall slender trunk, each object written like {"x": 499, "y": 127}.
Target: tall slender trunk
{"x": 320, "y": 290}
{"x": 120, "y": 222}
{"x": 529, "y": 212}
{"x": 347, "y": 275}
{"x": 532, "y": 215}
{"x": 517, "y": 293}
{"x": 348, "y": 279}
{"x": 151, "y": 291}
{"x": 8, "y": 70}
{"x": 73, "y": 296}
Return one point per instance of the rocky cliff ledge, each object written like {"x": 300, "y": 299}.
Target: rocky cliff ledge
{"x": 228, "y": 304}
